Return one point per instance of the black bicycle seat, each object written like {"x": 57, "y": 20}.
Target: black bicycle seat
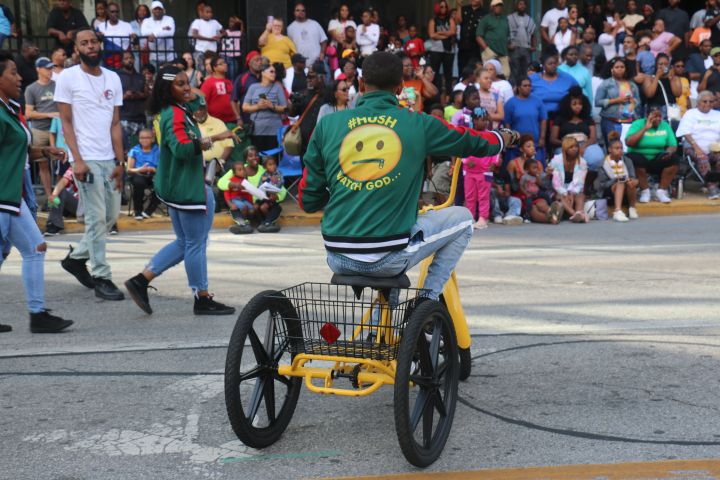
{"x": 378, "y": 283}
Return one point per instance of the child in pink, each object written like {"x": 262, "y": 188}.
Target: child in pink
{"x": 477, "y": 185}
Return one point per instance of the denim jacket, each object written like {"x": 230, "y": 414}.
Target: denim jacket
{"x": 610, "y": 89}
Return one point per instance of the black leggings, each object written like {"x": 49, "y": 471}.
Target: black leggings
{"x": 446, "y": 60}
{"x": 140, "y": 183}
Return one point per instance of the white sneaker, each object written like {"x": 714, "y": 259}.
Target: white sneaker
{"x": 662, "y": 196}
{"x": 481, "y": 224}
{"x": 498, "y": 220}
{"x": 644, "y": 196}
{"x": 619, "y": 216}
{"x": 632, "y": 213}
{"x": 512, "y": 220}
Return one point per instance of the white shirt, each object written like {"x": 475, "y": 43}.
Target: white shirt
{"x": 702, "y": 126}
{"x": 121, "y": 29}
{"x": 93, "y": 100}
{"x": 550, "y": 20}
{"x": 503, "y": 88}
{"x": 165, "y": 28}
{"x": 307, "y": 37}
{"x": 339, "y": 27}
{"x": 607, "y": 42}
{"x": 562, "y": 40}
{"x": 205, "y": 28}
{"x": 367, "y": 40}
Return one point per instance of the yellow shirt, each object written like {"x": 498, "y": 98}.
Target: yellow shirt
{"x": 279, "y": 50}
{"x": 213, "y": 126}
{"x": 683, "y": 101}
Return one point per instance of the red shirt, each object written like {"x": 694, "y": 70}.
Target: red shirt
{"x": 415, "y": 48}
{"x": 242, "y": 193}
{"x": 218, "y": 93}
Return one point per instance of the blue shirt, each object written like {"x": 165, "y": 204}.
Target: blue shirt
{"x": 581, "y": 75}
{"x": 56, "y": 128}
{"x": 552, "y": 92}
{"x": 525, "y": 115}
{"x": 142, "y": 158}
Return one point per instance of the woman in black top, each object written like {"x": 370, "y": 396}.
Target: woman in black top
{"x": 653, "y": 90}
{"x": 574, "y": 120}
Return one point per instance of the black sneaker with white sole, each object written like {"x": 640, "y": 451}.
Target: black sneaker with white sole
{"x": 45, "y": 322}
{"x": 51, "y": 230}
{"x": 77, "y": 269}
{"x": 208, "y": 306}
{"x": 137, "y": 287}
{"x": 107, "y": 290}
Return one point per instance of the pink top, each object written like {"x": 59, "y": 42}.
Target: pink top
{"x": 478, "y": 165}
{"x": 661, "y": 44}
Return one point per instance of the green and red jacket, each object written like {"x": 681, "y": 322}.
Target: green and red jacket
{"x": 180, "y": 180}
{"x": 365, "y": 168}
{"x": 14, "y": 143}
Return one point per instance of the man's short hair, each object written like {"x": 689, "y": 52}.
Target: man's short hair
{"x": 383, "y": 70}
{"x": 84, "y": 29}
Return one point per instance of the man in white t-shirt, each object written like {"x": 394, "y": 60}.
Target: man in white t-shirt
{"x": 367, "y": 35}
{"x": 116, "y": 36}
{"x": 307, "y": 35}
{"x": 549, "y": 23}
{"x": 89, "y": 98}
{"x": 159, "y": 30}
{"x": 207, "y": 32}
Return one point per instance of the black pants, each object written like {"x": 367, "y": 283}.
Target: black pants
{"x": 264, "y": 142}
{"x": 467, "y": 55}
{"x": 446, "y": 60}
{"x": 140, "y": 183}
{"x": 273, "y": 213}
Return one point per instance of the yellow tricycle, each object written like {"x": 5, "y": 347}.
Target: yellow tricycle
{"x": 348, "y": 338}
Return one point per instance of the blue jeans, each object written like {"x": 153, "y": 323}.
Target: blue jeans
{"x": 191, "y": 231}
{"x": 102, "y": 205}
{"x": 607, "y": 126}
{"x": 31, "y": 202}
{"x": 445, "y": 233}
{"x": 510, "y": 205}
{"x": 241, "y": 203}
{"x": 22, "y": 232}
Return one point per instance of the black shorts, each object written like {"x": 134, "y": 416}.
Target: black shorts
{"x": 656, "y": 165}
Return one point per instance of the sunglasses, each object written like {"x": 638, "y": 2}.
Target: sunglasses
{"x": 343, "y": 89}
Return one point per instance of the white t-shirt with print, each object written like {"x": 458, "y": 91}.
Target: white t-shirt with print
{"x": 93, "y": 100}
{"x": 702, "y": 126}
{"x": 205, "y": 28}
{"x": 121, "y": 29}
{"x": 550, "y": 20}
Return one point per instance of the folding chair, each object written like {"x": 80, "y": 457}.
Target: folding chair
{"x": 289, "y": 165}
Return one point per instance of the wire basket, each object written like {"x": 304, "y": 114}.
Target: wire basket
{"x": 331, "y": 320}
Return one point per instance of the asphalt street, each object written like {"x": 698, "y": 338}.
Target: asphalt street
{"x": 592, "y": 343}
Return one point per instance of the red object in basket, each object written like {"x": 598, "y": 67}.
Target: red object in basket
{"x": 330, "y": 332}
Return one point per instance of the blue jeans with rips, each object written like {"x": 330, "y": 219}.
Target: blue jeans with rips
{"x": 445, "y": 233}
{"x": 191, "y": 231}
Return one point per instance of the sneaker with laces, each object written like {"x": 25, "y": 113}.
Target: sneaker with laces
{"x": 205, "y": 305}
{"x": 512, "y": 220}
{"x": 106, "y": 289}
{"x": 714, "y": 193}
{"x": 242, "y": 228}
{"x": 498, "y": 220}
{"x": 78, "y": 269}
{"x": 147, "y": 215}
{"x": 137, "y": 287}
{"x": 619, "y": 216}
{"x": 51, "y": 230}
{"x": 662, "y": 196}
{"x": 44, "y": 322}
{"x": 632, "y": 213}
{"x": 644, "y": 196}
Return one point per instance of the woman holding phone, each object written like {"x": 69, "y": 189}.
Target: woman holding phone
{"x": 265, "y": 103}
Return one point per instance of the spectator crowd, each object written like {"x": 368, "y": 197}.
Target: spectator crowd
{"x": 616, "y": 104}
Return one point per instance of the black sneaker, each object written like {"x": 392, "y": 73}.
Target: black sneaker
{"x": 268, "y": 227}
{"x": 107, "y": 290}
{"x": 44, "y": 322}
{"x": 114, "y": 230}
{"x": 51, "y": 230}
{"x": 208, "y": 306}
{"x": 242, "y": 229}
{"x": 5, "y": 328}
{"x": 137, "y": 287}
{"x": 78, "y": 269}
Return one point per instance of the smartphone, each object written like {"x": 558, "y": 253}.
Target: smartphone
{"x": 89, "y": 178}
{"x": 262, "y": 96}
{"x": 270, "y": 19}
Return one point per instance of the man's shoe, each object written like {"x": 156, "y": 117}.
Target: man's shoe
{"x": 138, "y": 217}
{"x": 662, "y": 196}
{"x": 5, "y": 328}
{"x": 44, "y": 322}
{"x": 114, "y": 230}
{"x": 242, "y": 229}
{"x": 512, "y": 220}
{"x": 107, "y": 290}
{"x": 619, "y": 216}
{"x": 208, "y": 306}
{"x": 268, "y": 227}
{"x": 147, "y": 215}
{"x": 77, "y": 269}
{"x": 632, "y": 213}
{"x": 137, "y": 287}
{"x": 714, "y": 193}
{"x": 644, "y": 196}
{"x": 51, "y": 230}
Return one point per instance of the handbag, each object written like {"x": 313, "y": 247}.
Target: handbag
{"x": 673, "y": 111}
{"x": 292, "y": 140}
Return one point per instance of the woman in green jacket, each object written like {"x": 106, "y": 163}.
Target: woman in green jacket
{"x": 180, "y": 184}
{"x": 17, "y": 225}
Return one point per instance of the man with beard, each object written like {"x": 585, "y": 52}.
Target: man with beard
{"x": 256, "y": 64}
{"x": 25, "y": 62}
{"x": 89, "y": 98}
{"x": 132, "y": 113}
{"x": 159, "y": 30}
{"x": 300, "y": 102}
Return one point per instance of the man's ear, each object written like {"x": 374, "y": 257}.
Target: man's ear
{"x": 398, "y": 89}
{"x": 361, "y": 85}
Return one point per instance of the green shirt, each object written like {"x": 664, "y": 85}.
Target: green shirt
{"x": 496, "y": 33}
{"x": 655, "y": 140}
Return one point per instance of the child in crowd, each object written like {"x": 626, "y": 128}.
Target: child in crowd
{"x": 454, "y": 107}
{"x": 477, "y": 187}
{"x": 415, "y": 47}
{"x": 57, "y": 139}
{"x": 506, "y": 208}
{"x": 535, "y": 185}
{"x": 645, "y": 57}
{"x": 238, "y": 199}
{"x": 516, "y": 166}
{"x": 272, "y": 175}
{"x": 143, "y": 160}
{"x": 64, "y": 198}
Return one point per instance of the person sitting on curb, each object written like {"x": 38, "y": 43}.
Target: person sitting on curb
{"x": 616, "y": 179}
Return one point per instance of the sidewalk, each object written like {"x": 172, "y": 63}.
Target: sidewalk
{"x": 692, "y": 204}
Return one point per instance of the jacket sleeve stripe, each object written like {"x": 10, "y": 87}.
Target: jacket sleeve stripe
{"x": 491, "y": 137}
{"x": 179, "y": 125}
{"x": 301, "y": 188}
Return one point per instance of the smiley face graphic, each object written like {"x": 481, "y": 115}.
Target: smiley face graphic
{"x": 370, "y": 152}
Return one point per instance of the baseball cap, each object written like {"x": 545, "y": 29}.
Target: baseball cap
{"x": 714, "y": 51}
{"x": 156, "y": 4}
{"x": 496, "y": 2}
{"x": 347, "y": 52}
{"x": 297, "y": 58}
{"x": 252, "y": 54}
{"x": 44, "y": 62}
